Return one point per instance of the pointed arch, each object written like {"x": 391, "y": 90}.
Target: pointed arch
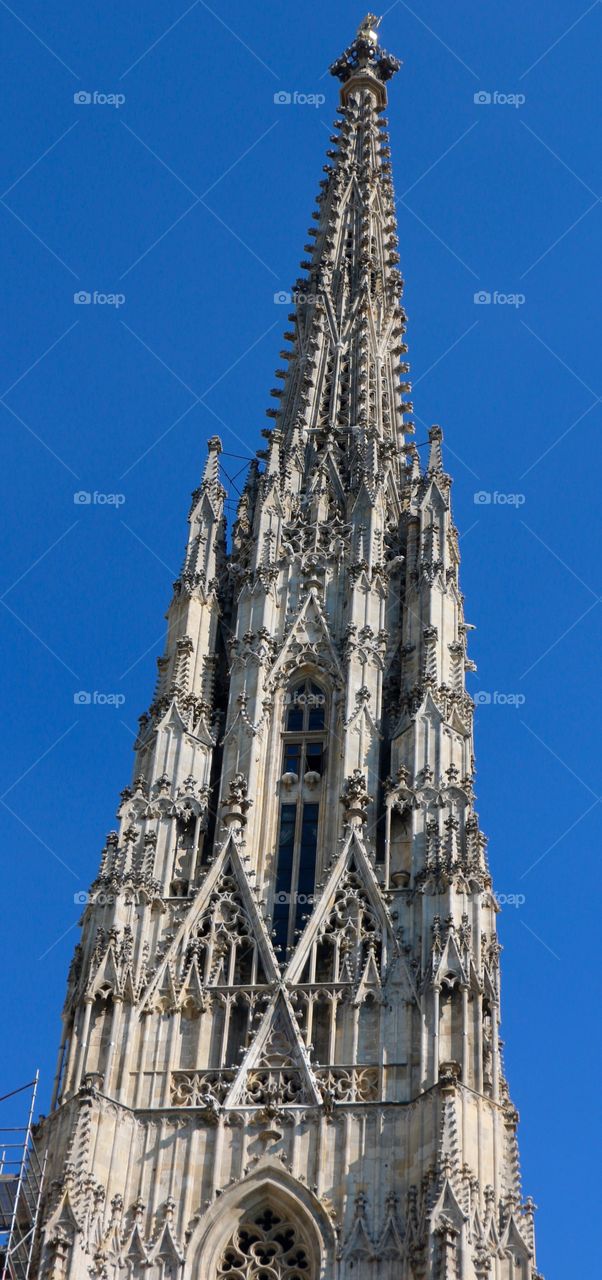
{"x": 352, "y": 872}
{"x": 207, "y": 913}
{"x": 276, "y": 1063}
{"x": 268, "y": 1193}
{"x": 308, "y": 645}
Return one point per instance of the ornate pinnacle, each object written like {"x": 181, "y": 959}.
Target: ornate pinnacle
{"x": 435, "y": 463}
{"x": 211, "y": 472}
{"x": 365, "y": 61}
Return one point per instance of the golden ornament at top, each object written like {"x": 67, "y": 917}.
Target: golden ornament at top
{"x": 369, "y": 27}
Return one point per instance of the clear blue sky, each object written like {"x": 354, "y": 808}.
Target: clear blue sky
{"x": 192, "y": 198}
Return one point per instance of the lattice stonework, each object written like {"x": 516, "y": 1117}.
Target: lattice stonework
{"x": 194, "y": 1088}
{"x": 266, "y": 1247}
{"x": 350, "y": 1084}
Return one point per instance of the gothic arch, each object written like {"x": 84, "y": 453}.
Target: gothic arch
{"x": 306, "y": 670}
{"x": 267, "y": 1188}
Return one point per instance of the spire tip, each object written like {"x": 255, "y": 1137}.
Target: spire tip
{"x": 365, "y": 60}
{"x": 211, "y": 472}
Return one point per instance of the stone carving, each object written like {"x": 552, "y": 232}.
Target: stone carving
{"x": 355, "y": 796}
{"x": 202, "y": 1089}
{"x": 350, "y": 1084}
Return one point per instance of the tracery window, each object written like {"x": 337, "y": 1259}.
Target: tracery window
{"x": 223, "y": 942}
{"x": 349, "y": 936}
{"x": 303, "y": 761}
{"x": 266, "y": 1247}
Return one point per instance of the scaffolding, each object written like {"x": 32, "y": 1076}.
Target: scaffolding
{"x": 21, "y": 1181}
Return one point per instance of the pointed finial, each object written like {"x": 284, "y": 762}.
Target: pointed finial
{"x": 273, "y": 464}
{"x": 411, "y": 452}
{"x": 435, "y": 456}
{"x": 214, "y": 446}
{"x": 211, "y": 472}
{"x": 364, "y": 64}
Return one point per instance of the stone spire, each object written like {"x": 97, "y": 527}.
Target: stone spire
{"x": 341, "y": 385}
{"x": 280, "y": 1044}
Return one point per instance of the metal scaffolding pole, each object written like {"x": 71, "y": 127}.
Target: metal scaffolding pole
{"x": 21, "y": 1181}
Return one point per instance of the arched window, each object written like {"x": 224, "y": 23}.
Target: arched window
{"x": 265, "y": 1246}
{"x": 303, "y": 761}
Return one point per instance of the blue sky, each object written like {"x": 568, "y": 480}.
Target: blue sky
{"x": 191, "y": 198}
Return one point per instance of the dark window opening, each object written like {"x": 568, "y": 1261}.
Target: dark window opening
{"x": 306, "y": 708}
{"x": 303, "y": 753}
{"x": 314, "y": 756}
{"x": 292, "y": 757}
{"x": 237, "y": 1033}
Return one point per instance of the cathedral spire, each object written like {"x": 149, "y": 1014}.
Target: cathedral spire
{"x": 343, "y": 399}
{"x": 281, "y": 1036}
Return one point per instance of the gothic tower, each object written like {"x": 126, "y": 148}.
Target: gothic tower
{"x": 280, "y": 1055}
